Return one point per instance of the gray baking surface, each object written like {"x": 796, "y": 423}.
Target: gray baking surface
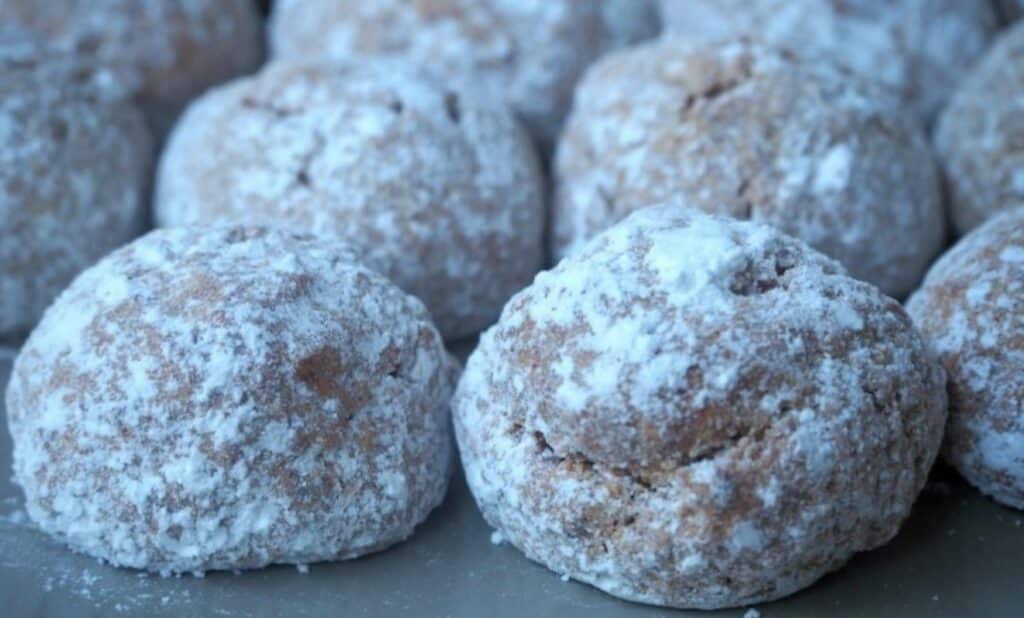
{"x": 959, "y": 556}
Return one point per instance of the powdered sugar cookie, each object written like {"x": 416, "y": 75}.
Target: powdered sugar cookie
{"x": 978, "y": 136}
{"x": 921, "y": 49}
{"x": 74, "y": 167}
{"x": 440, "y": 191}
{"x": 971, "y": 310}
{"x": 227, "y": 399}
{"x": 168, "y": 51}
{"x": 698, "y": 412}
{"x": 743, "y": 130}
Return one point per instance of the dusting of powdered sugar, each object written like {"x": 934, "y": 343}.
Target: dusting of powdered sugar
{"x": 74, "y": 168}
{"x": 168, "y": 50}
{"x": 698, "y": 412}
{"x": 920, "y": 49}
{"x": 739, "y": 129}
{"x": 441, "y": 192}
{"x": 971, "y": 311}
{"x": 976, "y": 137}
{"x": 527, "y": 53}
{"x": 228, "y": 399}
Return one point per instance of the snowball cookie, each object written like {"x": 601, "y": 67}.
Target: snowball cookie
{"x": 228, "y": 399}
{"x": 971, "y": 310}
{"x": 75, "y": 159}
{"x": 919, "y": 48}
{"x": 168, "y": 50}
{"x": 698, "y": 412}
{"x": 528, "y": 53}
{"x": 740, "y": 130}
{"x": 979, "y": 134}
{"x": 442, "y": 193}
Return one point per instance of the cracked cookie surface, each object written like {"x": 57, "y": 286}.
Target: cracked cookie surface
{"x": 698, "y": 412}
{"x": 230, "y": 399}
{"x": 441, "y": 192}
{"x": 742, "y": 130}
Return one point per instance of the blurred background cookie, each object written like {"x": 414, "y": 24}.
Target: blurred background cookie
{"x": 440, "y": 191}
{"x": 980, "y": 135}
{"x": 166, "y": 51}
{"x": 75, "y": 160}
{"x": 918, "y": 48}
{"x": 747, "y": 131}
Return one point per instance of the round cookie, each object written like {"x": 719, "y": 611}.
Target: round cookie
{"x": 978, "y": 135}
{"x": 527, "y": 53}
{"x": 919, "y": 48}
{"x": 698, "y": 412}
{"x": 167, "y": 51}
{"x": 75, "y": 160}
{"x": 971, "y": 311}
{"x": 746, "y": 131}
{"x": 228, "y": 399}
{"x": 441, "y": 192}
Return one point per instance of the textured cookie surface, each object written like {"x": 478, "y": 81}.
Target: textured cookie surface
{"x": 228, "y": 399}
{"x": 971, "y": 311}
{"x": 979, "y": 134}
{"x": 74, "y": 167}
{"x": 442, "y": 193}
{"x": 741, "y": 130}
{"x": 920, "y": 49}
{"x": 168, "y": 51}
{"x": 698, "y": 412}
{"x": 527, "y": 53}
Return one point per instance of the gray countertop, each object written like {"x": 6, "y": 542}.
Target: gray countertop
{"x": 959, "y": 556}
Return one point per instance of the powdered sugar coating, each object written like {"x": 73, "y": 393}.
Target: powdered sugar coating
{"x": 738, "y": 129}
{"x": 526, "y": 53}
{"x": 167, "y": 50}
{"x": 971, "y": 311}
{"x": 228, "y": 399}
{"x": 978, "y": 135}
{"x": 441, "y": 192}
{"x": 74, "y": 167}
{"x": 921, "y": 49}
{"x": 698, "y": 412}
